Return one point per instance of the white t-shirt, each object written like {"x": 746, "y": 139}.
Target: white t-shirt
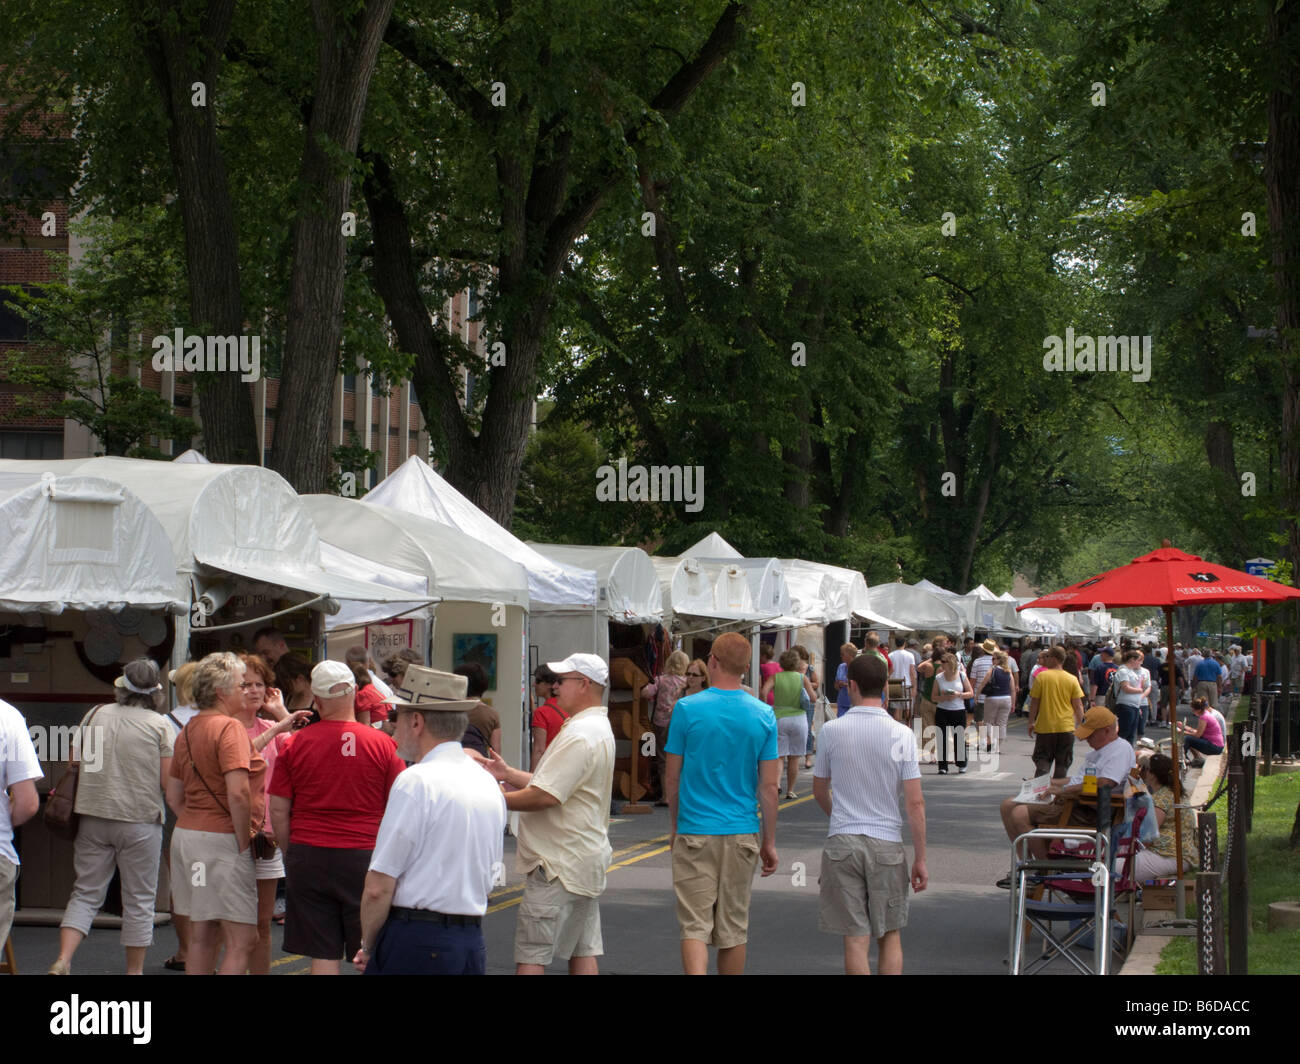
{"x": 901, "y": 664}
{"x": 18, "y": 762}
{"x": 1112, "y": 762}
{"x": 1125, "y": 675}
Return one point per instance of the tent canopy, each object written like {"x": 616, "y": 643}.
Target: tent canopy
{"x": 416, "y": 489}
{"x": 766, "y": 578}
{"x": 627, "y": 584}
{"x": 708, "y": 590}
{"x": 711, "y": 546}
{"x": 237, "y": 519}
{"x": 455, "y": 566}
{"x": 915, "y": 608}
{"x": 81, "y": 543}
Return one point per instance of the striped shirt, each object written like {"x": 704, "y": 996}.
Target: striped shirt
{"x": 980, "y": 668}
{"x": 866, "y": 755}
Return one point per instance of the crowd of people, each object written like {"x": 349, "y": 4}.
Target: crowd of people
{"x": 378, "y": 804}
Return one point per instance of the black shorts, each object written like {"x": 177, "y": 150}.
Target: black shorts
{"x": 322, "y": 909}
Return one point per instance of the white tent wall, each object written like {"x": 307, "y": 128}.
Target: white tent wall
{"x": 919, "y": 610}
{"x": 507, "y": 695}
{"x": 558, "y": 633}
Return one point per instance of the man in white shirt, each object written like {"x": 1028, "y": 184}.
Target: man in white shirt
{"x": 436, "y": 854}
{"x": 563, "y": 846}
{"x": 19, "y": 770}
{"x": 902, "y": 667}
{"x": 864, "y": 759}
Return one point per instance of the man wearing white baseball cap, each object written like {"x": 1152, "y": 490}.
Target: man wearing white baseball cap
{"x": 563, "y": 846}
{"x": 328, "y": 793}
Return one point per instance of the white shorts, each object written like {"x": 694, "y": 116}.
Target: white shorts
{"x": 791, "y": 736}
{"x": 272, "y": 869}
{"x": 211, "y": 879}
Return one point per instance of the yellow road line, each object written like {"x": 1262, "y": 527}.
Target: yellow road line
{"x": 304, "y": 971}
{"x": 621, "y": 864}
{"x": 617, "y": 853}
{"x": 288, "y": 959}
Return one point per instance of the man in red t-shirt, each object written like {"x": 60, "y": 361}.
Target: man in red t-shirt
{"x": 548, "y": 718}
{"x": 328, "y": 793}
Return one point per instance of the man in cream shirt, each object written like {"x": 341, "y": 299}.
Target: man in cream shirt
{"x": 563, "y": 844}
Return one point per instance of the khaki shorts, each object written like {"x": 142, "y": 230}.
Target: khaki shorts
{"x": 1048, "y": 816}
{"x": 211, "y": 879}
{"x": 555, "y": 923}
{"x": 8, "y": 887}
{"x": 712, "y": 878}
{"x": 864, "y": 887}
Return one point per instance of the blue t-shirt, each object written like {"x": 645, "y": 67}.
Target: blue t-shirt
{"x": 721, "y": 737}
{"x": 842, "y": 696}
{"x": 1207, "y": 671}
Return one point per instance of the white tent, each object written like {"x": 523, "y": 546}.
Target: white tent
{"x": 849, "y": 597}
{"x": 81, "y": 543}
{"x": 627, "y": 586}
{"x": 980, "y": 591}
{"x": 696, "y": 593}
{"x": 766, "y": 577}
{"x": 415, "y": 488}
{"x": 711, "y": 546}
{"x": 192, "y": 457}
{"x": 223, "y": 521}
{"x": 1006, "y": 596}
{"x": 475, "y": 590}
{"x": 813, "y": 594}
{"x": 933, "y": 588}
{"x": 915, "y": 608}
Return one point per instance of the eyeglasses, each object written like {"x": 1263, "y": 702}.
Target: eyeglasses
{"x": 563, "y": 678}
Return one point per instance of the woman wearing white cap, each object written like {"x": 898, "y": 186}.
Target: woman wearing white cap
{"x": 120, "y": 803}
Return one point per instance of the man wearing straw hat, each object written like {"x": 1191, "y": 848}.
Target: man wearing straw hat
{"x": 564, "y": 836}
{"x": 439, "y": 844}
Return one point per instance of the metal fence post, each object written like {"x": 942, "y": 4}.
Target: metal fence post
{"x": 1209, "y": 926}
{"x": 1238, "y": 887}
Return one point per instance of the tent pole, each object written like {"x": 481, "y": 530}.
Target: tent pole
{"x": 1179, "y": 900}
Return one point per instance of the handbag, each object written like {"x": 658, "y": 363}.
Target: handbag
{"x": 261, "y": 844}
{"x": 60, "y": 815}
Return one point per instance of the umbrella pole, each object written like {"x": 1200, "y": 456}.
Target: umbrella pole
{"x": 1179, "y": 900}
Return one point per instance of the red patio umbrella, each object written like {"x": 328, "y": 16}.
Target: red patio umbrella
{"x": 1167, "y": 578}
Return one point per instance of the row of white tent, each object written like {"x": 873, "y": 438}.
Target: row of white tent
{"x": 174, "y": 530}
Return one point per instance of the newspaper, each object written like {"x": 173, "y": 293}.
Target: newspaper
{"x": 1034, "y": 792}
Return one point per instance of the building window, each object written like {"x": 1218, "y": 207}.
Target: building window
{"x": 31, "y": 446}
{"x": 350, "y": 382}
{"x": 13, "y": 326}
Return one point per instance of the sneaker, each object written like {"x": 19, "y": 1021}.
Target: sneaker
{"x": 1004, "y": 883}
{"x": 961, "y": 770}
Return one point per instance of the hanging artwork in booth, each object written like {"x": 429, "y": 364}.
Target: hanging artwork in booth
{"x": 383, "y": 640}
{"x": 481, "y": 648}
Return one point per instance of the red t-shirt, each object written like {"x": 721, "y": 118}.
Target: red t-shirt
{"x": 370, "y": 700}
{"x": 338, "y": 775}
{"x": 548, "y": 716}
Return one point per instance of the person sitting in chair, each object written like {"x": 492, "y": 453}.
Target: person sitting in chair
{"x": 1111, "y": 760}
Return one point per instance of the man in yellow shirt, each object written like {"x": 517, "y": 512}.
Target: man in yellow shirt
{"x": 1055, "y": 710}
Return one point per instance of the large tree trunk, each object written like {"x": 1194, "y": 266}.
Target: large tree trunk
{"x": 347, "y": 47}
{"x": 180, "y": 51}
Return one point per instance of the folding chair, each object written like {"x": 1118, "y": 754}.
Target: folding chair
{"x": 1122, "y": 883}
{"x": 1039, "y": 914}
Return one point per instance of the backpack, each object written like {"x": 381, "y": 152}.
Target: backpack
{"x": 1112, "y": 691}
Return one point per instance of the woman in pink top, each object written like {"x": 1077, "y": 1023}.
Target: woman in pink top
{"x": 766, "y": 670}
{"x": 663, "y": 695}
{"x": 1207, "y": 736}
{"x": 262, "y": 696}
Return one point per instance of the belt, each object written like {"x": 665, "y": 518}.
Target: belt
{"x": 429, "y": 916}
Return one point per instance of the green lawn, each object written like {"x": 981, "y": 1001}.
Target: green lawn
{"x": 1274, "y": 876}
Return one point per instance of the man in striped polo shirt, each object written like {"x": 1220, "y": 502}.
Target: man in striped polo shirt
{"x": 866, "y": 756}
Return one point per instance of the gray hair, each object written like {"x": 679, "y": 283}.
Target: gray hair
{"x": 443, "y": 725}
{"x": 142, "y": 672}
{"x": 214, "y": 674}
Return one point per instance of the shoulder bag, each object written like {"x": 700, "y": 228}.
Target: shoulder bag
{"x": 60, "y": 816}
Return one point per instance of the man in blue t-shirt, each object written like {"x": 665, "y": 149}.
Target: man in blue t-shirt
{"x": 721, "y": 756}
{"x": 1206, "y": 677}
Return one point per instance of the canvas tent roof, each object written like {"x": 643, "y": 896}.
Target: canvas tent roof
{"x": 456, "y": 566}
{"x": 766, "y": 578}
{"x": 980, "y": 591}
{"x": 415, "y": 488}
{"x": 811, "y": 594}
{"x": 848, "y": 598}
{"x": 81, "y": 543}
{"x": 709, "y": 590}
{"x": 237, "y": 519}
{"x": 933, "y": 588}
{"x": 627, "y": 584}
{"x": 711, "y": 546}
{"x": 915, "y": 608}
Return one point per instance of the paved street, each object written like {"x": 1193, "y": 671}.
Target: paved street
{"x": 958, "y": 925}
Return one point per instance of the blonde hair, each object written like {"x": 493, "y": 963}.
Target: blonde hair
{"x": 677, "y": 662}
{"x": 1000, "y": 658}
{"x": 182, "y": 681}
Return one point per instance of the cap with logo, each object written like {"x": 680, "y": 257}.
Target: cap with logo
{"x": 431, "y": 689}
{"x": 591, "y": 666}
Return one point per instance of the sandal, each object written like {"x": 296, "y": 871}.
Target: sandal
{"x": 174, "y": 965}
{"x": 808, "y": 762}
{"x": 790, "y": 796}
